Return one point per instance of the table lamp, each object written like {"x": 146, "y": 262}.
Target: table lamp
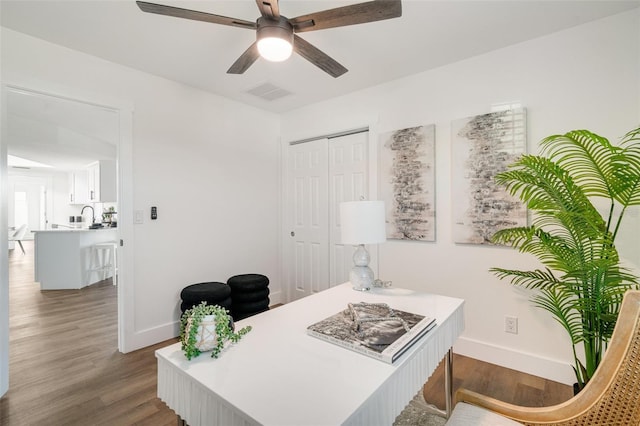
{"x": 362, "y": 222}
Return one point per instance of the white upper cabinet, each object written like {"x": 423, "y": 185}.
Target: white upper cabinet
{"x": 78, "y": 189}
{"x": 101, "y": 179}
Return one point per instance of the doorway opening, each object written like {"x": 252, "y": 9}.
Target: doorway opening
{"x": 48, "y": 139}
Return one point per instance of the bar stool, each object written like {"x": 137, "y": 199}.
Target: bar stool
{"x": 103, "y": 259}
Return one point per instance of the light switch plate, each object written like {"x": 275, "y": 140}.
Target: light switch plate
{"x": 138, "y": 217}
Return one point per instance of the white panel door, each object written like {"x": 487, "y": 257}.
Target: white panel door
{"x": 348, "y": 172}
{"x": 309, "y": 218}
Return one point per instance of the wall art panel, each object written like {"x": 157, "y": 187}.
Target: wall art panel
{"x": 407, "y": 182}
{"x": 483, "y": 146}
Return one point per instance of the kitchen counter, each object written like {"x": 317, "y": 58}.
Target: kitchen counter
{"x": 75, "y": 230}
{"x": 62, "y": 256}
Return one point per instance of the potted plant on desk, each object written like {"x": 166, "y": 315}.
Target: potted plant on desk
{"x": 583, "y": 282}
{"x": 207, "y": 328}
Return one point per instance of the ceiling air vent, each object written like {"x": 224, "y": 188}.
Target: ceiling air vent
{"x": 269, "y": 92}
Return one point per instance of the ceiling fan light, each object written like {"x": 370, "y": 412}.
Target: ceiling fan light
{"x": 274, "y": 49}
{"x": 275, "y": 39}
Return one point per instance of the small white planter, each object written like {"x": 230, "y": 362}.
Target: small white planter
{"x": 206, "y": 336}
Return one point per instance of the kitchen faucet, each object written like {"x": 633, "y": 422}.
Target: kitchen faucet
{"x": 93, "y": 214}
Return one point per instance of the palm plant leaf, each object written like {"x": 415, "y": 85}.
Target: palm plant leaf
{"x": 560, "y": 303}
{"x": 555, "y": 296}
{"x": 555, "y": 252}
{"x": 563, "y": 207}
{"x": 587, "y": 157}
{"x": 628, "y": 168}
{"x": 543, "y": 185}
{"x": 569, "y": 236}
{"x": 529, "y": 279}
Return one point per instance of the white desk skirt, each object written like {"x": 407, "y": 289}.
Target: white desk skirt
{"x": 278, "y": 375}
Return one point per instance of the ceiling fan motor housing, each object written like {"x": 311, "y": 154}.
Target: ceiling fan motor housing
{"x": 280, "y": 28}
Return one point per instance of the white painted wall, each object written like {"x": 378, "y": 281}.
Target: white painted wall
{"x": 4, "y": 260}
{"x": 585, "y": 77}
{"x": 209, "y": 164}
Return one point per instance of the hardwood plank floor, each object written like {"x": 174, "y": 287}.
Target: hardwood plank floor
{"x": 65, "y": 368}
{"x": 502, "y": 383}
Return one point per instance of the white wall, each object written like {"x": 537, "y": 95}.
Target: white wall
{"x": 57, "y": 185}
{"x": 209, "y": 164}
{"x": 215, "y": 178}
{"x": 4, "y": 259}
{"x": 585, "y": 77}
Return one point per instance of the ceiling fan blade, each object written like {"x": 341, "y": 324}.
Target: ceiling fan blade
{"x": 245, "y": 60}
{"x": 376, "y": 10}
{"x": 194, "y": 15}
{"x": 317, "y": 57}
{"x": 269, "y": 8}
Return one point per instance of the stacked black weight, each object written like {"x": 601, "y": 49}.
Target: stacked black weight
{"x": 214, "y": 293}
{"x": 249, "y": 295}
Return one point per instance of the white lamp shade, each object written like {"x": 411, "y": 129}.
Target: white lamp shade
{"x": 362, "y": 222}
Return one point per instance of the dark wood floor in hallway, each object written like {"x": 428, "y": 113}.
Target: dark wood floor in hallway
{"x": 65, "y": 368}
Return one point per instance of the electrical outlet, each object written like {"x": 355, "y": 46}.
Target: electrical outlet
{"x": 511, "y": 324}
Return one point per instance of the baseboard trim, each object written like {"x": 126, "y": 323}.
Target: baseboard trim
{"x": 275, "y": 298}
{"x": 150, "y": 336}
{"x": 551, "y": 369}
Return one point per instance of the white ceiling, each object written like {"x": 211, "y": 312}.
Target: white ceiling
{"x": 57, "y": 132}
{"x": 429, "y": 34}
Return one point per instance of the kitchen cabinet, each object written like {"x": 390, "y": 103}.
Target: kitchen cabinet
{"x": 101, "y": 182}
{"x": 62, "y": 256}
{"x": 78, "y": 187}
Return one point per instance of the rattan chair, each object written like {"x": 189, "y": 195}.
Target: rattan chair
{"x": 611, "y": 397}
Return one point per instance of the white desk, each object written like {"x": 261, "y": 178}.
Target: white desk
{"x": 279, "y": 375}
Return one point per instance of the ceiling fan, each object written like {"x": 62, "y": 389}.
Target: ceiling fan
{"x": 276, "y": 35}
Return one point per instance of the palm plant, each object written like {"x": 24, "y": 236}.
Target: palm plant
{"x": 582, "y": 282}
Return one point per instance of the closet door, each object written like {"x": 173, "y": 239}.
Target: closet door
{"x": 348, "y": 172}
{"x": 309, "y": 218}
{"x": 321, "y": 174}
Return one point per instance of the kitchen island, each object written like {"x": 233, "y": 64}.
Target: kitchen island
{"x": 62, "y": 256}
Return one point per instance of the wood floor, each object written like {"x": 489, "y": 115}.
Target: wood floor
{"x": 65, "y": 368}
{"x": 502, "y": 383}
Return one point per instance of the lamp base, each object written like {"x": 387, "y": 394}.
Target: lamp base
{"x": 361, "y": 276}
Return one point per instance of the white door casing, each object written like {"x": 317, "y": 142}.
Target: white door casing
{"x": 124, "y": 122}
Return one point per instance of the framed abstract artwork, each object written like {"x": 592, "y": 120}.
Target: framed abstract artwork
{"x": 406, "y": 182}
{"x": 483, "y": 146}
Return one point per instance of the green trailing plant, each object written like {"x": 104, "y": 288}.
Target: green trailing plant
{"x": 192, "y": 318}
{"x": 582, "y": 282}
